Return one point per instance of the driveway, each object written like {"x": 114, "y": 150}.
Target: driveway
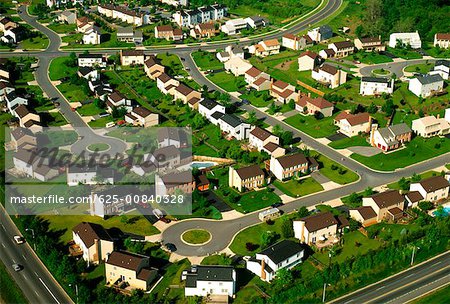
{"x": 337, "y": 136}
{"x": 365, "y": 151}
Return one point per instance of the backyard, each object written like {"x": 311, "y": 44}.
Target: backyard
{"x": 316, "y": 128}
{"x": 207, "y": 60}
{"x": 298, "y": 187}
{"x": 334, "y": 171}
{"x": 227, "y": 81}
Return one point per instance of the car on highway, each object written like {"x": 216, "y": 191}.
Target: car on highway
{"x": 18, "y": 239}
{"x": 17, "y": 267}
{"x": 170, "y": 247}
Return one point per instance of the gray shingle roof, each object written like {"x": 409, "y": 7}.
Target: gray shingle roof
{"x": 282, "y": 250}
{"x": 428, "y": 79}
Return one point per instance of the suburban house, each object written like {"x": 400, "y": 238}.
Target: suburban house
{"x": 283, "y": 92}
{"x": 128, "y": 34}
{"x": 258, "y": 138}
{"x": 172, "y": 137}
{"x": 168, "y": 32}
{"x": 308, "y": 61}
{"x": 92, "y": 35}
{"x": 124, "y": 14}
{"x": 296, "y": 43}
{"x": 353, "y": 124}
{"x": 22, "y": 138}
{"x": 142, "y": 117}
{"x": 203, "y": 14}
{"x": 234, "y": 26}
{"x": 247, "y": 178}
{"x": 27, "y": 118}
{"x": 6, "y": 23}
{"x": 153, "y": 67}
{"x": 321, "y": 33}
{"x": 13, "y": 101}
{"x": 211, "y": 110}
{"x": 165, "y": 158}
{"x": 85, "y": 175}
{"x": 309, "y": 106}
{"x": 370, "y": 44}
{"x": 318, "y": 227}
{"x": 442, "y": 40}
{"x": 205, "y": 280}
{"x": 442, "y": 67}
{"x": 284, "y": 254}
{"x": 13, "y": 35}
{"x": 237, "y": 66}
{"x": 365, "y": 215}
{"x": 118, "y": 100}
{"x": 404, "y": 39}
{"x": 252, "y": 74}
{"x": 235, "y": 51}
{"x": 329, "y": 75}
{"x": 166, "y": 84}
{"x": 203, "y": 30}
{"x": 430, "y": 126}
{"x": 187, "y": 95}
{"x": 342, "y": 48}
{"x": 130, "y": 268}
{"x": 390, "y": 137}
{"x": 32, "y": 165}
{"x": 131, "y": 57}
{"x": 426, "y": 85}
{"x": 412, "y": 199}
{"x": 260, "y": 84}
{"x": 256, "y": 21}
{"x": 287, "y": 166}
{"x": 265, "y": 48}
{"x": 387, "y": 205}
{"x": 376, "y": 86}
{"x": 176, "y": 3}
{"x": 5, "y": 89}
{"x": 69, "y": 17}
{"x": 84, "y": 23}
{"x": 202, "y": 183}
{"x": 327, "y": 53}
{"x": 94, "y": 241}
{"x": 234, "y": 126}
{"x": 174, "y": 181}
{"x": 92, "y": 60}
{"x": 432, "y": 189}
{"x": 273, "y": 149}
{"x": 88, "y": 73}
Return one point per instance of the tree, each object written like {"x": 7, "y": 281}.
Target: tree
{"x": 303, "y": 212}
{"x": 287, "y": 229}
{"x": 268, "y": 238}
{"x": 284, "y": 277}
{"x": 425, "y": 206}
{"x": 388, "y": 107}
{"x": 252, "y": 119}
{"x": 403, "y": 183}
{"x": 286, "y": 138}
{"x": 372, "y": 109}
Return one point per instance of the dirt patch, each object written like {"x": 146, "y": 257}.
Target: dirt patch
{"x": 284, "y": 66}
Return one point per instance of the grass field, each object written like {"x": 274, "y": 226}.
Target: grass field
{"x": 442, "y": 295}
{"x": 424, "y": 175}
{"x": 99, "y": 147}
{"x": 334, "y": 171}
{"x": 59, "y": 68}
{"x": 255, "y": 200}
{"x": 422, "y": 68}
{"x": 227, "y": 81}
{"x": 207, "y": 61}
{"x": 316, "y": 128}
{"x": 89, "y": 109}
{"x": 62, "y": 28}
{"x": 172, "y": 277}
{"x": 349, "y": 142}
{"x": 72, "y": 92}
{"x": 55, "y": 119}
{"x": 297, "y": 188}
{"x": 419, "y": 149}
{"x": 196, "y": 236}
{"x": 258, "y": 99}
{"x": 370, "y": 57}
{"x": 35, "y": 43}
{"x": 11, "y": 292}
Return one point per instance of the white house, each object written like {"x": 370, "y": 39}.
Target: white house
{"x": 353, "y": 124}
{"x": 265, "y": 48}
{"x": 308, "y": 61}
{"x": 258, "y": 138}
{"x": 94, "y": 241}
{"x": 203, "y": 280}
{"x": 442, "y": 40}
{"x": 235, "y": 51}
{"x": 252, "y": 74}
{"x": 234, "y": 126}
{"x": 296, "y": 43}
{"x": 404, "y": 39}
{"x": 234, "y": 26}
{"x": 317, "y": 227}
{"x": 430, "y": 126}
{"x": 237, "y": 66}
{"x": 432, "y": 189}
{"x": 132, "y": 57}
{"x": 320, "y": 33}
{"x": 342, "y": 48}
{"x": 376, "y": 86}
{"x": 92, "y": 60}
{"x": 426, "y": 85}
{"x": 329, "y": 75}
{"x": 88, "y": 73}
{"x": 89, "y": 176}
{"x": 284, "y": 254}
{"x": 211, "y": 110}
{"x": 5, "y": 89}
{"x": 287, "y": 166}
{"x": 256, "y": 21}
{"x": 92, "y": 35}
{"x": 13, "y": 101}
{"x": 166, "y": 84}
{"x": 442, "y": 67}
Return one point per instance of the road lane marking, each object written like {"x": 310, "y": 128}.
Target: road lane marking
{"x": 24, "y": 257}
{"x": 48, "y": 289}
{"x": 3, "y": 227}
{"x": 36, "y": 274}
{"x": 3, "y": 245}
{"x": 36, "y": 293}
{"x": 380, "y": 287}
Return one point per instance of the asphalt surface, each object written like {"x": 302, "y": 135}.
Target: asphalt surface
{"x": 36, "y": 282}
{"x": 393, "y": 67}
{"x": 404, "y": 286}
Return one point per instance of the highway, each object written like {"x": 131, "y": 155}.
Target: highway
{"x": 405, "y": 286}
{"x": 36, "y": 282}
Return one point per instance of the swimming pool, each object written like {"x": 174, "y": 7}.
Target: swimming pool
{"x": 444, "y": 212}
{"x": 202, "y": 165}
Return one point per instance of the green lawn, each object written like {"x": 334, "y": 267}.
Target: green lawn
{"x": 59, "y": 68}
{"x": 207, "y": 60}
{"x": 100, "y": 122}
{"x": 227, "y": 81}
{"x": 136, "y": 225}
{"x": 334, "y": 171}
{"x": 34, "y": 43}
{"x": 55, "y": 119}
{"x": 316, "y": 128}
{"x": 89, "y": 109}
{"x": 419, "y": 149}
{"x": 381, "y": 72}
{"x": 172, "y": 276}
{"x": 62, "y": 28}
{"x": 72, "y": 92}
{"x": 11, "y": 292}
{"x": 196, "y": 236}
{"x": 297, "y": 188}
{"x": 109, "y": 40}
{"x": 428, "y": 174}
{"x": 403, "y": 53}
{"x": 422, "y": 68}
{"x": 258, "y": 99}
{"x": 255, "y": 200}
{"x": 370, "y": 58}
{"x": 99, "y": 147}
{"x": 349, "y": 142}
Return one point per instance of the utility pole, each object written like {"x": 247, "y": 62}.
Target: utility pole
{"x": 32, "y": 233}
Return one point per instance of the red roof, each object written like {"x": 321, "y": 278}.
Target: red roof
{"x": 443, "y": 36}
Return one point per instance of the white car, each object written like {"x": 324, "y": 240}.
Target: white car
{"x": 19, "y": 239}
{"x": 16, "y": 267}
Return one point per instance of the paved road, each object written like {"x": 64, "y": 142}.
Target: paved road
{"x": 404, "y": 286}
{"x": 393, "y": 67}
{"x": 36, "y": 282}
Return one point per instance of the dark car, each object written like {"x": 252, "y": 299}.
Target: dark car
{"x": 245, "y": 101}
{"x": 276, "y": 205}
{"x": 165, "y": 220}
{"x": 171, "y": 247}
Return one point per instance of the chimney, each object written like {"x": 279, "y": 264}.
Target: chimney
{"x": 96, "y": 251}
{"x": 309, "y": 94}
{"x": 374, "y": 127}
{"x": 263, "y": 272}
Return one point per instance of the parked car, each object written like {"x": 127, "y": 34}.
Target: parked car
{"x": 165, "y": 220}
{"x": 276, "y": 205}
{"x": 16, "y": 267}
{"x": 245, "y": 101}
{"x": 171, "y": 247}
{"x": 19, "y": 239}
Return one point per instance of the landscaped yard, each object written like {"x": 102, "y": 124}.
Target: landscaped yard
{"x": 371, "y": 58}
{"x": 34, "y": 43}
{"x": 207, "y": 60}
{"x": 99, "y": 147}
{"x": 404, "y": 53}
{"x": 72, "y": 92}
{"x": 101, "y": 122}
{"x": 196, "y": 236}
{"x": 334, "y": 171}
{"x": 422, "y": 68}
{"x": 419, "y": 149}
{"x": 296, "y": 188}
{"x": 313, "y": 127}
{"x": 89, "y": 109}
{"x": 227, "y": 81}
{"x": 349, "y": 142}
{"x": 255, "y": 200}
{"x": 62, "y": 28}
{"x": 424, "y": 175}
{"x": 60, "y": 69}
{"x": 258, "y": 99}
{"x": 54, "y": 119}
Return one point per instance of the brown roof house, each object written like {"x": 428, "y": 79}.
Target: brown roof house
{"x": 308, "y": 61}
{"x": 319, "y": 227}
{"x": 365, "y": 215}
{"x": 283, "y": 92}
{"x": 342, "y": 48}
{"x": 432, "y": 189}
{"x": 257, "y": 79}
{"x": 153, "y": 67}
{"x": 329, "y": 75}
{"x": 247, "y": 178}
{"x": 353, "y": 124}
{"x": 187, "y": 95}
{"x": 203, "y": 30}
{"x": 313, "y": 105}
{"x": 260, "y": 138}
{"x": 370, "y": 44}
{"x": 130, "y": 268}
{"x": 169, "y": 183}
{"x": 387, "y": 205}
{"x": 132, "y": 57}
{"x": 94, "y": 241}
{"x": 287, "y": 166}
{"x": 442, "y": 40}
{"x": 142, "y": 117}
{"x": 296, "y": 43}
{"x": 265, "y": 48}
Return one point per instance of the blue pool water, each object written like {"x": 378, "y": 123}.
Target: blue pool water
{"x": 201, "y": 165}
{"x": 445, "y": 212}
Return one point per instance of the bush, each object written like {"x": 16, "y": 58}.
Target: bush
{"x": 250, "y": 246}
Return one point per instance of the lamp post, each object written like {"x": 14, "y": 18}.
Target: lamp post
{"x": 32, "y": 233}
{"x": 324, "y": 291}
{"x": 76, "y": 290}
{"x": 413, "y": 252}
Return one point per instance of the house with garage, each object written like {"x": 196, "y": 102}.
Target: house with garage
{"x": 5, "y": 89}
{"x": 78, "y": 174}
{"x": 142, "y": 117}
{"x": 118, "y": 100}
{"x": 442, "y": 67}
{"x": 308, "y": 61}
{"x": 413, "y": 198}
{"x": 342, "y": 48}
{"x": 365, "y": 215}
{"x": 257, "y": 22}
{"x": 153, "y": 67}
{"x": 129, "y": 35}
{"x": 246, "y": 178}
{"x": 233, "y": 126}
{"x": 318, "y": 227}
{"x": 287, "y": 166}
{"x": 284, "y": 254}
{"x": 273, "y": 149}
{"x": 22, "y": 138}
{"x": 309, "y": 106}
{"x": 166, "y": 84}
{"x": 203, "y": 30}
{"x": 253, "y": 74}
{"x": 376, "y": 86}
{"x": 28, "y": 119}
{"x": 442, "y": 40}
{"x": 69, "y": 17}
{"x": 187, "y": 95}
{"x": 265, "y": 48}
{"x": 390, "y": 137}
{"x": 320, "y": 33}
{"x": 13, "y": 101}
{"x": 234, "y": 26}
{"x": 432, "y": 189}
{"x": 370, "y": 44}
{"x": 259, "y": 137}
{"x": 92, "y": 35}
{"x": 282, "y": 91}
{"x": 353, "y": 124}
{"x": 296, "y": 43}
{"x": 168, "y": 32}
{"x": 235, "y": 51}
{"x": 92, "y": 60}
{"x": 388, "y": 205}
{"x": 88, "y": 73}
{"x": 430, "y": 126}
{"x": 329, "y": 76}
{"x": 169, "y": 183}
{"x": 237, "y": 66}
{"x": 131, "y": 57}
{"x": 122, "y": 267}
{"x": 209, "y": 280}
{"x": 426, "y": 85}
{"x": 13, "y": 35}
{"x": 94, "y": 241}
{"x": 404, "y": 39}
{"x": 6, "y": 23}
{"x": 208, "y": 109}
{"x": 327, "y": 53}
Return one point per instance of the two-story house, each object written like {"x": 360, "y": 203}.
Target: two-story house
{"x": 211, "y": 110}
{"x": 204, "y": 280}
{"x": 246, "y": 178}
{"x": 283, "y": 92}
{"x": 317, "y": 227}
{"x": 234, "y": 126}
{"x": 432, "y": 189}
{"x": 309, "y": 106}
{"x": 175, "y": 181}
{"x": 353, "y": 124}
{"x": 376, "y": 86}
{"x": 329, "y": 75}
{"x": 153, "y": 67}
{"x": 142, "y": 117}
{"x": 370, "y": 44}
{"x": 132, "y": 57}
{"x": 308, "y": 61}
{"x": 390, "y": 137}
{"x": 94, "y": 241}
{"x": 387, "y": 205}
{"x": 342, "y": 48}
{"x": 287, "y": 166}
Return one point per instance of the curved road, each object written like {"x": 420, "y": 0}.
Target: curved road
{"x": 393, "y": 67}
